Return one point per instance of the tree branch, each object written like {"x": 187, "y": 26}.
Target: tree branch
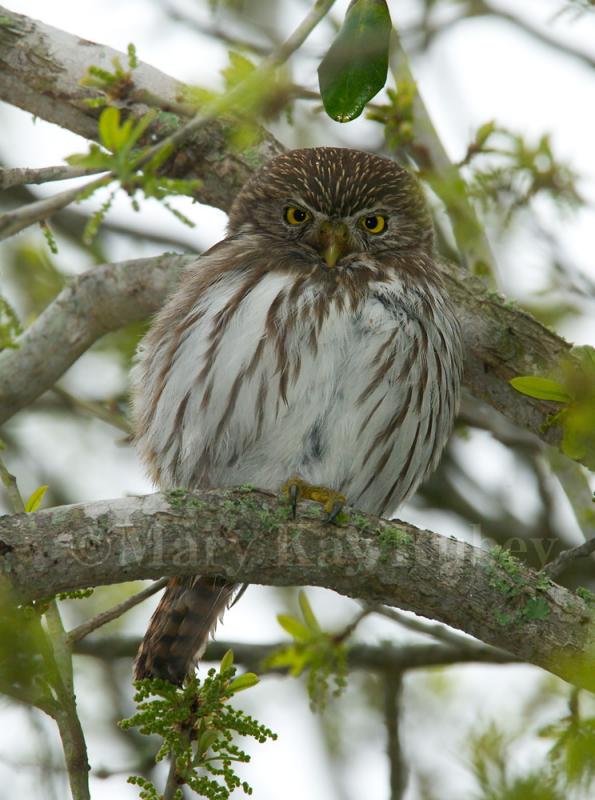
{"x": 26, "y": 175}
{"x": 99, "y": 301}
{"x": 55, "y": 94}
{"x": 393, "y": 685}
{"x": 246, "y": 536}
{"x": 567, "y": 557}
{"x": 382, "y": 658}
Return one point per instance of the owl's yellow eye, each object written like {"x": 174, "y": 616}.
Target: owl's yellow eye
{"x": 373, "y": 223}
{"x": 296, "y": 216}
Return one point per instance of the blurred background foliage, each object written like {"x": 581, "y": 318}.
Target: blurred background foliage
{"x": 503, "y": 205}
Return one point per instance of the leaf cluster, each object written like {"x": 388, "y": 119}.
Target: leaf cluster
{"x": 197, "y": 725}
{"x": 128, "y": 165}
{"x": 321, "y": 654}
{"x": 397, "y": 115}
{"x": 114, "y": 85}
{"x": 507, "y": 172}
{"x": 10, "y": 327}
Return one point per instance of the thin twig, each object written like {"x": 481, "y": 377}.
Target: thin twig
{"x": 350, "y": 627}
{"x": 172, "y": 785}
{"x": 20, "y": 176}
{"x": 14, "y": 221}
{"x": 10, "y": 483}
{"x": 433, "y": 629}
{"x": 567, "y": 557}
{"x": 98, "y": 410}
{"x": 113, "y": 613}
{"x": 393, "y": 685}
{"x": 67, "y": 719}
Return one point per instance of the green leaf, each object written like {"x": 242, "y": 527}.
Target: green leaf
{"x": 226, "y": 661}
{"x": 10, "y": 326}
{"x": 540, "y": 388}
{"x": 207, "y": 739}
{"x": 309, "y": 617}
{"x": 238, "y": 70}
{"x": 245, "y": 681}
{"x": 294, "y": 627}
{"x": 34, "y": 501}
{"x": 484, "y": 132}
{"x": 109, "y": 127}
{"x": 355, "y": 67}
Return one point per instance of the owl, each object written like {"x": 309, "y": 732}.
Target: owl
{"x": 315, "y": 345}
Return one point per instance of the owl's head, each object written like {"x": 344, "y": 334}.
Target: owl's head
{"x": 339, "y": 202}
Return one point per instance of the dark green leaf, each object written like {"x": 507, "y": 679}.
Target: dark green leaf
{"x": 355, "y": 67}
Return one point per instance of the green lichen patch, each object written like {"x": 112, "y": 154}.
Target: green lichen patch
{"x": 391, "y": 538}
{"x": 506, "y": 574}
{"x": 183, "y": 500}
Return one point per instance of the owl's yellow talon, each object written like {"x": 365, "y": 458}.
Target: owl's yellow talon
{"x": 297, "y": 489}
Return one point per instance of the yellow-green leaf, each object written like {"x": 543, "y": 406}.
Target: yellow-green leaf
{"x": 109, "y": 127}
{"x": 245, "y": 681}
{"x": 309, "y": 617}
{"x": 540, "y": 388}
{"x": 293, "y": 627}
{"x": 34, "y": 501}
{"x": 239, "y": 69}
{"x": 226, "y": 661}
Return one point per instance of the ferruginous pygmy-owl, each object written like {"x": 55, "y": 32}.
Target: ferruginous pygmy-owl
{"x": 316, "y": 341}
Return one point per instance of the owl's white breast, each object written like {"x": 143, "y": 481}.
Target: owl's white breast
{"x": 351, "y": 399}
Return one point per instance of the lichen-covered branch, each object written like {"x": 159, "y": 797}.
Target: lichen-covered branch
{"x": 247, "y": 535}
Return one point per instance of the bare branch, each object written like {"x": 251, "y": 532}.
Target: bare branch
{"x": 246, "y": 536}
{"x": 113, "y": 613}
{"x": 20, "y": 218}
{"x": 398, "y": 657}
{"x": 481, "y": 8}
{"x": 393, "y": 685}
{"x": 567, "y": 557}
{"x": 95, "y": 409}
{"x": 19, "y": 176}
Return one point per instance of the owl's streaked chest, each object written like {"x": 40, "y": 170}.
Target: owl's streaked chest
{"x": 355, "y": 394}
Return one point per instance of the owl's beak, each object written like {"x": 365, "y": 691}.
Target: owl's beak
{"x": 333, "y": 242}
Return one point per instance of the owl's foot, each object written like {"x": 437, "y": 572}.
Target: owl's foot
{"x": 297, "y": 489}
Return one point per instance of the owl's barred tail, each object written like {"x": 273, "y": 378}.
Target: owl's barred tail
{"x": 179, "y": 630}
